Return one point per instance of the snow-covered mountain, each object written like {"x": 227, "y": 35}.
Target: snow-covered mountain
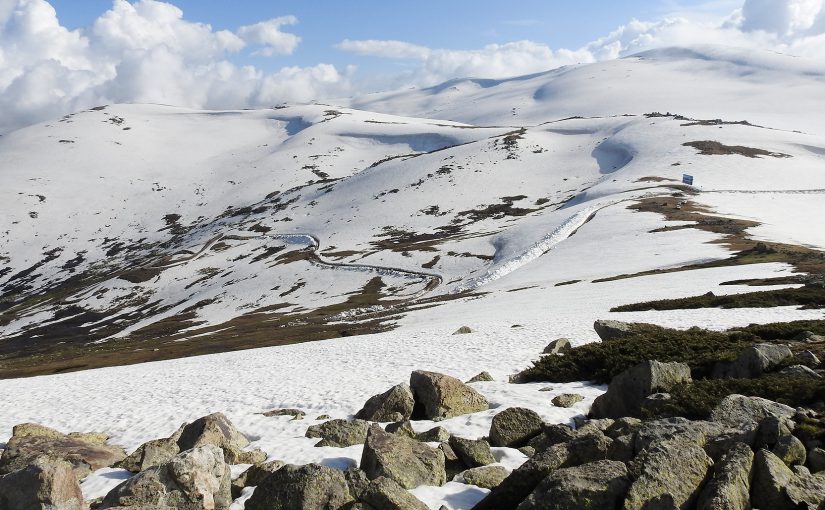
{"x": 139, "y": 232}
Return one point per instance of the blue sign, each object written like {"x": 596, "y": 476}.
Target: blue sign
{"x": 687, "y": 179}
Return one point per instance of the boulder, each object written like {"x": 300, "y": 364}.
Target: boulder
{"x": 31, "y": 441}
{"x": 790, "y": 450}
{"x": 472, "y": 452}
{"x": 481, "y": 377}
{"x": 463, "y": 330}
{"x": 434, "y": 435}
{"x": 339, "y": 433}
{"x": 197, "y": 479}
{"x": 771, "y": 429}
{"x": 776, "y": 487}
{"x": 808, "y": 359}
{"x": 567, "y": 399}
{"x": 729, "y": 489}
{"x": 809, "y": 337}
{"x": 253, "y": 476}
{"x": 557, "y": 346}
{"x": 296, "y": 414}
{"x": 486, "y": 477}
{"x": 150, "y": 454}
{"x": 216, "y": 429}
{"x": 597, "y": 485}
{"x": 43, "y": 485}
{"x": 816, "y": 460}
{"x": 441, "y": 396}
{"x": 747, "y": 412}
{"x": 357, "y": 482}
{"x": 404, "y": 460}
{"x": 402, "y": 428}
{"x": 452, "y": 464}
{"x": 628, "y": 390}
{"x": 611, "y": 330}
{"x": 385, "y": 494}
{"x": 309, "y": 487}
{"x": 800, "y": 370}
{"x": 656, "y": 404}
{"x": 757, "y": 360}
{"x": 514, "y": 427}
{"x": 386, "y": 406}
{"x": 668, "y": 475}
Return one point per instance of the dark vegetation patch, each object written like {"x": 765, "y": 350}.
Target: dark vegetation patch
{"x": 261, "y": 229}
{"x": 766, "y": 282}
{"x": 400, "y": 240}
{"x": 712, "y": 148}
{"x": 431, "y": 264}
{"x": 467, "y": 254}
{"x": 509, "y": 142}
{"x": 569, "y": 282}
{"x": 809, "y": 296}
{"x": 654, "y": 179}
{"x": 699, "y": 348}
{"x": 172, "y": 224}
{"x": 433, "y": 210}
{"x": 318, "y": 173}
{"x": 495, "y": 211}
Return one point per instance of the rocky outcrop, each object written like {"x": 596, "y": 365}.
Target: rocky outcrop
{"x": 197, "y": 479}
{"x": 309, "y": 487}
{"x": 628, "y": 390}
{"x": 85, "y": 452}
{"x": 472, "y": 452}
{"x": 669, "y": 474}
{"x": 395, "y": 404}
{"x": 776, "y": 486}
{"x": 729, "y": 488}
{"x": 514, "y": 427}
{"x": 339, "y": 433}
{"x": 404, "y": 460}
{"x": 216, "y": 429}
{"x": 253, "y": 476}
{"x": 42, "y": 485}
{"x": 441, "y": 396}
{"x": 486, "y": 477}
{"x": 747, "y": 412}
{"x": 597, "y": 485}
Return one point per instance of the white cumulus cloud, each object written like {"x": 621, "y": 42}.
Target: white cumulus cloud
{"x": 269, "y": 35}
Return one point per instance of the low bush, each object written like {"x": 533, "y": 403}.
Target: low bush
{"x": 807, "y": 297}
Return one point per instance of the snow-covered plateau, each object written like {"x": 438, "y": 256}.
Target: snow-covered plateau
{"x": 178, "y": 263}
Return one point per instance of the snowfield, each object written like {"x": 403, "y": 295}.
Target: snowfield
{"x": 509, "y": 206}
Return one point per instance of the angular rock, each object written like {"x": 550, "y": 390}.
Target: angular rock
{"x": 472, "y": 452}
{"x": 452, "y": 463}
{"x": 340, "y": 433}
{"x": 309, "y": 487}
{"x": 216, "y": 429}
{"x": 669, "y": 474}
{"x": 463, "y": 330}
{"x": 748, "y": 412}
{"x": 776, "y": 487}
{"x": 402, "y": 428}
{"x": 771, "y": 429}
{"x": 385, "y": 494}
{"x": 406, "y": 461}
{"x": 441, "y": 396}
{"x": 253, "y": 476}
{"x": 757, "y": 360}
{"x": 357, "y": 482}
{"x": 800, "y": 370}
{"x": 729, "y": 489}
{"x": 627, "y": 390}
{"x": 383, "y": 407}
{"x": 434, "y": 435}
{"x": 514, "y": 427}
{"x": 816, "y": 460}
{"x": 31, "y": 441}
{"x": 42, "y": 485}
{"x": 567, "y": 399}
{"x": 558, "y": 346}
{"x": 597, "y": 485}
{"x": 654, "y": 404}
{"x": 611, "y": 330}
{"x": 486, "y": 477}
{"x": 790, "y": 450}
{"x": 197, "y": 479}
{"x": 808, "y": 359}
{"x": 481, "y": 377}
{"x": 296, "y": 414}
{"x": 809, "y": 337}
{"x": 150, "y": 454}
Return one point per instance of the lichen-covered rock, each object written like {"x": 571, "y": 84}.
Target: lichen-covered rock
{"x": 597, "y": 485}
{"x": 197, "y": 479}
{"x": 253, "y": 476}
{"x": 611, "y": 330}
{"x": 402, "y": 428}
{"x": 729, "y": 489}
{"x": 441, "y": 396}
{"x": 747, "y": 412}
{"x": 627, "y": 390}
{"x": 486, "y": 477}
{"x": 756, "y": 360}
{"x": 800, "y": 370}
{"x": 776, "y": 487}
{"x": 149, "y": 454}
{"x": 514, "y": 427}
{"x": 309, "y": 487}
{"x": 404, "y": 460}
{"x": 434, "y": 435}
{"x": 216, "y": 429}
{"x": 340, "y": 433}
{"x": 668, "y": 475}
{"x": 816, "y": 460}
{"x": 463, "y": 330}
{"x": 30, "y": 441}
{"x": 296, "y": 414}
{"x": 558, "y": 346}
{"x": 567, "y": 399}
{"x": 481, "y": 377}
{"x": 386, "y": 406}
{"x": 42, "y": 485}
{"x": 790, "y": 450}
{"x": 472, "y": 452}
{"x": 385, "y": 494}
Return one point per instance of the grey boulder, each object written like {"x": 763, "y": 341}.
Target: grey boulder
{"x": 385, "y": 407}
{"x": 485, "y": 477}
{"x": 404, "y": 460}
{"x": 515, "y": 427}
{"x": 339, "y": 433}
{"x": 729, "y": 489}
{"x": 441, "y": 396}
{"x": 600, "y": 484}
{"x": 472, "y": 452}
{"x": 42, "y": 485}
{"x": 309, "y": 487}
{"x": 630, "y": 388}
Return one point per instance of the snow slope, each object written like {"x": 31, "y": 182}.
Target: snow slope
{"x": 151, "y": 229}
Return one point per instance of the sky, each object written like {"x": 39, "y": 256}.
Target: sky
{"x": 59, "y": 56}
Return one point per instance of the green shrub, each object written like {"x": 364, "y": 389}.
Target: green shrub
{"x": 807, "y": 297}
